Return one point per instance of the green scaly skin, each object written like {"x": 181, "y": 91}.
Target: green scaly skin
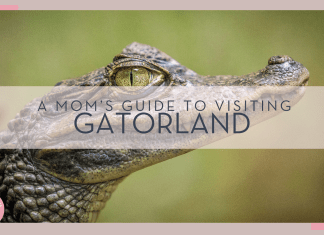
{"x": 55, "y": 185}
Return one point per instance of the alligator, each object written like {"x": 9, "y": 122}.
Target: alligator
{"x": 73, "y": 185}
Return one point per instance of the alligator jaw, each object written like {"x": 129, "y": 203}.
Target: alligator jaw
{"x": 72, "y": 185}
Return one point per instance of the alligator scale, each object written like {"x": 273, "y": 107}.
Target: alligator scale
{"x": 73, "y": 185}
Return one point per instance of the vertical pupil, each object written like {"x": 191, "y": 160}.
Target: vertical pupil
{"x": 131, "y": 77}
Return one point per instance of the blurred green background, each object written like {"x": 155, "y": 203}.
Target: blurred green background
{"x": 40, "y": 48}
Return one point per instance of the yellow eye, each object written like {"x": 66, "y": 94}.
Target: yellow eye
{"x": 133, "y": 76}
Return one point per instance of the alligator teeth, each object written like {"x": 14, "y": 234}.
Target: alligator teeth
{"x": 241, "y": 118}
{"x": 186, "y": 126}
{"x": 280, "y": 98}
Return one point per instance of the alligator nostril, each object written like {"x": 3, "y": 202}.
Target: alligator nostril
{"x": 279, "y": 59}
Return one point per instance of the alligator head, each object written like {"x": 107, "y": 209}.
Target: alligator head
{"x": 64, "y": 180}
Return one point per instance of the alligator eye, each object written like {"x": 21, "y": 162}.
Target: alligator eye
{"x": 133, "y": 76}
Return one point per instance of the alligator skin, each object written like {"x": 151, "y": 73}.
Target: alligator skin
{"x": 46, "y": 186}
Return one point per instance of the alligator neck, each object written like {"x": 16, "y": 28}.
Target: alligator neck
{"x": 30, "y": 195}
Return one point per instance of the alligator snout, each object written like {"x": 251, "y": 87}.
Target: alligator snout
{"x": 279, "y": 59}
